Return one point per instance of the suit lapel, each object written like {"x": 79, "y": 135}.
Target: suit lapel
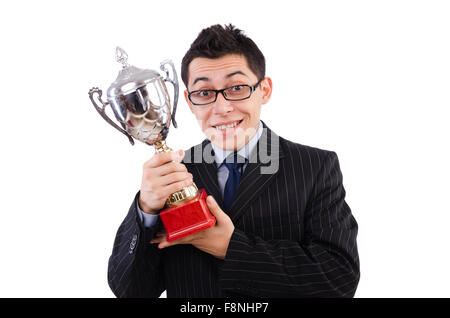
{"x": 258, "y": 173}
{"x": 208, "y": 173}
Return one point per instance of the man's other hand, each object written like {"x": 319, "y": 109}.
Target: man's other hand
{"x": 213, "y": 240}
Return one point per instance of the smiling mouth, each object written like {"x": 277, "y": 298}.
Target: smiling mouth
{"x": 228, "y": 126}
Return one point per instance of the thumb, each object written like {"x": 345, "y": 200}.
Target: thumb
{"x": 214, "y": 208}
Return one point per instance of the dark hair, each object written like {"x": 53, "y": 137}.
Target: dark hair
{"x": 217, "y": 41}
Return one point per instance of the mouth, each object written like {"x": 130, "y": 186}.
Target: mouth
{"x": 229, "y": 125}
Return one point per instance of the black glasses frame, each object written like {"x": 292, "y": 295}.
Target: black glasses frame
{"x": 222, "y": 91}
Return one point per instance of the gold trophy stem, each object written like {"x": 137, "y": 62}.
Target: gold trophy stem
{"x": 161, "y": 146}
{"x": 187, "y": 193}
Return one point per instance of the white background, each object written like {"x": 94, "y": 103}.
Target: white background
{"x": 367, "y": 79}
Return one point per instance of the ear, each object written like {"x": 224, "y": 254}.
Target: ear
{"x": 187, "y": 100}
{"x": 266, "y": 87}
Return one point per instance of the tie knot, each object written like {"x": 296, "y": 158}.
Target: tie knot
{"x": 234, "y": 162}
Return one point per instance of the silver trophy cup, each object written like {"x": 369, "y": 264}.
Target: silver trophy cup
{"x": 141, "y": 104}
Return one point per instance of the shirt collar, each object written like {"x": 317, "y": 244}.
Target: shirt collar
{"x": 245, "y": 151}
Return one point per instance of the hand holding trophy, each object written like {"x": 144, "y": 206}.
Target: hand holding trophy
{"x": 141, "y": 104}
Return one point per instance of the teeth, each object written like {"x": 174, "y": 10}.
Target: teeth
{"x": 222, "y": 127}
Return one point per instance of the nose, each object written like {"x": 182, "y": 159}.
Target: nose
{"x": 221, "y": 105}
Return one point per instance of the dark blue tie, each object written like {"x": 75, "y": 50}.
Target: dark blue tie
{"x": 234, "y": 177}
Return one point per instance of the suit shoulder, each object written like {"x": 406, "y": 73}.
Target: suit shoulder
{"x": 316, "y": 159}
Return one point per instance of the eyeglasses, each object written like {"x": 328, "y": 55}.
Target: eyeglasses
{"x": 233, "y": 93}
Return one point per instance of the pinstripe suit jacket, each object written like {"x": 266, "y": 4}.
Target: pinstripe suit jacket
{"x": 294, "y": 234}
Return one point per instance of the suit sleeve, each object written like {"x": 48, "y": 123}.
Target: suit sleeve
{"x": 134, "y": 268}
{"x": 324, "y": 264}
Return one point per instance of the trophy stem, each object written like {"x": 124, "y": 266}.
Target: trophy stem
{"x": 161, "y": 146}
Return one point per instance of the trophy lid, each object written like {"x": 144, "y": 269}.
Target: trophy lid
{"x": 130, "y": 78}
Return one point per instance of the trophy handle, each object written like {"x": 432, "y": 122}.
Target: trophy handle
{"x": 174, "y": 82}
{"x": 101, "y": 111}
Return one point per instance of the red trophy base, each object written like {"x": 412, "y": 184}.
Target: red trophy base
{"x": 187, "y": 219}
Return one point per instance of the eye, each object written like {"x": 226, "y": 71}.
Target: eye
{"x": 236, "y": 88}
{"x": 204, "y": 93}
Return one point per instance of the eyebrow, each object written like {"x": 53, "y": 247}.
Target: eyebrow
{"x": 206, "y": 79}
{"x": 236, "y": 73}
{"x": 198, "y": 79}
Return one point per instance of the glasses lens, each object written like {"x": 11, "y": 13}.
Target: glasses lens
{"x": 238, "y": 92}
{"x": 203, "y": 97}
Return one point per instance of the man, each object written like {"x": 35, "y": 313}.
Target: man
{"x": 283, "y": 227}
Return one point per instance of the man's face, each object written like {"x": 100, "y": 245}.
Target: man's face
{"x": 229, "y": 70}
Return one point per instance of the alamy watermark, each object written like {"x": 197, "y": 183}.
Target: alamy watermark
{"x": 266, "y": 152}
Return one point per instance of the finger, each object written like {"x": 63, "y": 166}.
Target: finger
{"x": 156, "y": 240}
{"x": 175, "y": 177}
{"x": 163, "y": 243}
{"x": 164, "y": 157}
{"x": 215, "y": 209}
{"x": 170, "y": 167}
{"x": 161, "y": 240}
{"x": 174, "y": 187}
{"x": 185, "y": 240}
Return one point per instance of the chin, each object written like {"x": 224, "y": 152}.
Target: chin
{"x": 233, "y": 143}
